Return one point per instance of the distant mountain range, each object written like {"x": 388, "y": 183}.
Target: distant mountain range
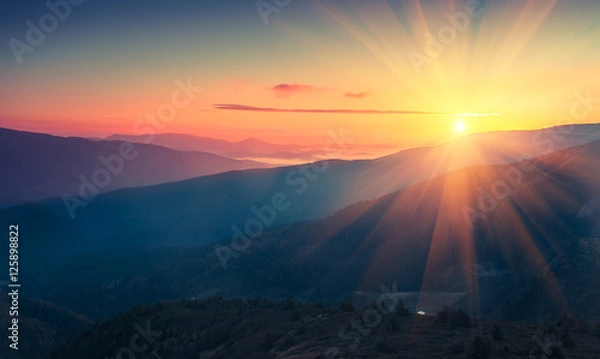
{"x": 39, "y": 166}
{"x": 252, "y": 148}
{"x": 519, "y": 256}
{"x": 508, "y": 234}
{"x": 202, "y": 210}
{"x": 249, "y": 148}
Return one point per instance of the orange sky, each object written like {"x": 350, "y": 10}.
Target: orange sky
{"x": 523, "y": 60}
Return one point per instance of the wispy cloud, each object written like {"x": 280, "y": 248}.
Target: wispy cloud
{"x": 356, "y": 95}
{"x": 235, "y": 107}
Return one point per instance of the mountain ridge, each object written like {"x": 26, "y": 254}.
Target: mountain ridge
{"x": 55, "y": 165}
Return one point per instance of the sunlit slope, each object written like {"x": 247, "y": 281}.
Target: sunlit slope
{"x": 453, "y": 233}
{"x": 204, "y": 209}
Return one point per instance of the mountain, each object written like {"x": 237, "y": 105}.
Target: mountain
{"x": 516, "y": 241}
{"x": 512, "y": 237}
{"x": 260, "y": 329}
{"x": 202, "y": 210}
{"x": 40, "y": 166}
{"x": 249, "y": 148}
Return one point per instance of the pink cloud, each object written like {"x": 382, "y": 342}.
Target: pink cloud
{"x": 356, "y": 95}
{"x": 236, "y": 107}
{"x": 287, "y": 90}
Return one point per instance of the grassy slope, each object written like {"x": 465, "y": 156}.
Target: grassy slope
{"x": 236, "y": 329}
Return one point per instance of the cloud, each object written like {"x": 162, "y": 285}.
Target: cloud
{"x": 356, "y": 95}
{"x": 235, "y": 107}
{"x": 287, "y": 90}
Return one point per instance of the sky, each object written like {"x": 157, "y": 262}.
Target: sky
{"x": 407, "y": 72}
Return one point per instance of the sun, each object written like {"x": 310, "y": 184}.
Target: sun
{"x": 460, "y": 127}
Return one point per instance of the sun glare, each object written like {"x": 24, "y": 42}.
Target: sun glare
{"x": 460, "y": 127}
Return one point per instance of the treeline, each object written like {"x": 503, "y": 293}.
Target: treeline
{"x": 263, "y": 328}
